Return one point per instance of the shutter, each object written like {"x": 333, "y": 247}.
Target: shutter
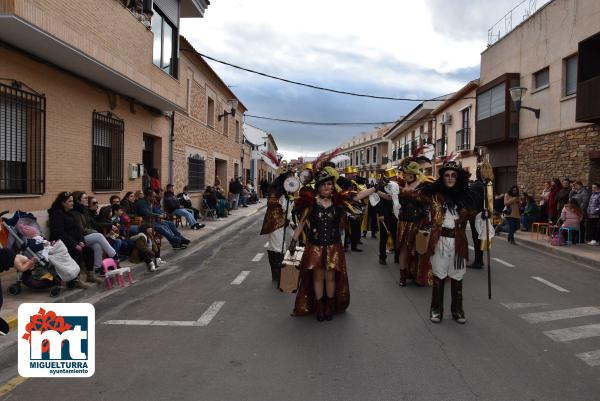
{"x": 498, "y": 102}
{"x": 170, "y": 8}
{"x": 13, "y": 132}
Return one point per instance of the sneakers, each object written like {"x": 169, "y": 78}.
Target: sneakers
{"x": 159, "y": 261}
{"x": 151, "y": 266}
{"x": 593, "y": 242}
{"x": 184, "y": 241}
{"x": 197, "y": 226}
{"x": 178, "y": 246}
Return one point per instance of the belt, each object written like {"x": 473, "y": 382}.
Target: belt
{"x": 448, "y": 232}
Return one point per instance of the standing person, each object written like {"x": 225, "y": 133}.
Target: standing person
{"x": 264, "y": 188}
{"x": 544, "y": 200}
{"x": 448, "y": 245}
{"x": 562, "y": 197}
{"x": 234, "y": 193}
{"x": 552, "y": 201}
{"x": 154, "y": 180}
{"x": 324, "y": 280}
{"x": 348, "y": 184}
{"x": 513, "y": 215}
{"x": 387, "y": 190}
{"x": 582, "y": 196}
{"x": 411, "y": 218}
{"x": 593, "y": 216}
{"x": 477, "y": 189}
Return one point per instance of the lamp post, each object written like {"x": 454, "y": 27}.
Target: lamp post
{"x": 516, "y": 94}
{"x": 233, "y": 103}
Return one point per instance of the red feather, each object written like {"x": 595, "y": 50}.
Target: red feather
{"x": 324, "y": 158}
{"x": 272, "y": 157}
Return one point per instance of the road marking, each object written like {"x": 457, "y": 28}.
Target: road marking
{"x": 520, "y": 305}
{"x": 550, "y": 316}
{"x": 503, "y": 262}
{"x": 471, "y": 247}
{"x": 210, "y": 313}
{"x": 204, "y": 320}
{"x": 549, "y": 284}
{"x": 240, "y": 278}
{"x": 258, "y": 257}
{"x": 267, "y": 244}
{"x": 11, "y": 384}
{"x": 592, "y": 358}
{"x": 574, "y": 333}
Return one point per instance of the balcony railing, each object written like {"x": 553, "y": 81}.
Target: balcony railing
{"x": 441, "y": 147}
{"x": 407, "y": 150}
{"x": 463, "y": 141}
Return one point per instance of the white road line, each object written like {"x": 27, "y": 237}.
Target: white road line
{"x": 549, "y": 284}
{"x": 521, "y": 305}
{"x": 258, "y": 257}
{"x": 550, "y": 316}
{"x": 267, "y": 244}
{"x": 503, "y": 262}
{"x": 592, "y": 358}
{"x": 240, "y": 278}
{"x": 471, "y": 247}
{"x": 574, "y": 333}
{"x": 210, "y": 313}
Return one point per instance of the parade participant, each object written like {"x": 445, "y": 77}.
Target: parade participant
{"x": 411, "y": 218}
{"x": 323, "y": 285}
{"x": 477, "y": 189}
{"x": 276, "y": 219}
{"x": 448, "y": 246}
{"x": 355, "y": 219}
{"x": 387, "y": 210}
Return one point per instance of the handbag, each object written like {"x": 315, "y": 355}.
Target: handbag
{"x": 422, "y": 241}
{"x": 290, "y": 272}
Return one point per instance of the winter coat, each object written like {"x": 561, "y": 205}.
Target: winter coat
{"x": 142, "y": 248}
{"x": 570, "y": 219}
{"x": 128, "y": 207}
{"x": 170, "y": 202}
{"x": 552, "y": 207}
{"x": 65, "y": 226}
{"x": 562, "y": 197}
{"x": 514, "y": 204}
{"x": 582, "y": 197}
{"x": 593, "y": 209}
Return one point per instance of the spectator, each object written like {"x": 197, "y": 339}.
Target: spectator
{"x": 119, "y": 243}
{"x": 146, "y": 181}
{"x": 138, "y": 195}
{"x": 544, "y": 200}
{"x": 214, "y": 202}
{"x": 264, "y": 188}
{"x": 217, "y": 181}
{"x": 65, "y": 226}
{"x": 531, "y": 213}
{"x": 562, "y": 197}
{"x": 244, "y": 194}
{"x": 511, "y": 210}
{"x": 145, "y": 249}
{"x": 593, "y": 216}
{"x": 552, "y": 201}
{"x": 114, "y": 199}
{"x": 571, "y": 216}
{"x": 91, "y": 228}
{"x": 167, "y": 229}
{"x": 235, "y": 189}
{"x": 172, "y": 206}
{"x": 128, "y": 204}
{"x": 154, "y": 180}
{"x": 580, "y": 194}
{"x": 186, "y": 201}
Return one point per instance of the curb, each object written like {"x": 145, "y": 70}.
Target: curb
{"x": 79, "y": 294}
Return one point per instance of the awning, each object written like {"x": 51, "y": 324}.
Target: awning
{"x": 268, "y": 161}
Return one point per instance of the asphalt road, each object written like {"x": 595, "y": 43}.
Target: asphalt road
{"x": 382, "y": 348}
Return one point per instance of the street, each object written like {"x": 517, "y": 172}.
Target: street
{"x": 248, "y": 347}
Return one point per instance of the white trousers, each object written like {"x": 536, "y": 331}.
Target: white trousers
{"x": 443, "y": 263}
{"x": 276, "y": 240}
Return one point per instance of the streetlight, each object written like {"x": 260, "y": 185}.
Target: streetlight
{"x": 516, "y": 93}
{"x": 233, "y": 103}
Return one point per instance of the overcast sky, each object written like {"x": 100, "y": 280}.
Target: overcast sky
{"x": 398, "y": 48}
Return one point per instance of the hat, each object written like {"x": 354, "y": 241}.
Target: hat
{"x": 350, "y": 170}
{"x": 411, "y": 168}
{"x": 325, "y": 175}
{"x": 283, "y": 167}
{"x": 450, "y": 165}
{"x": 390, "y": 173}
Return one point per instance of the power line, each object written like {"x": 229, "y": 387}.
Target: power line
{"x": 321, "y": 123}
{"x": 341, "y": 92}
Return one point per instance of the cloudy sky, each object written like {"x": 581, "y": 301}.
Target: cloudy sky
{"x": 397, "y": 48}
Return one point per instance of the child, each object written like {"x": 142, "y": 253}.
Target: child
{"x": 145, "y": 249}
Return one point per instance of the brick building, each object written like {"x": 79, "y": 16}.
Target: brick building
{"x": 208, "y": 139}
{"x": 368, "y": 152}
{"x": 554, "y": 55}
{"x": 87, "y": 93}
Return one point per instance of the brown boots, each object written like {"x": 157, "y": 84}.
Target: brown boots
{"x": 457, "y": 305}
{"x": 324, "y": 308}
{"x": 402, "y": 282}
{"x": 436, "y": 313}
{"x": 90, "y": 277}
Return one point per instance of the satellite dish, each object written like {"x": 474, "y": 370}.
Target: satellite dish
{"x": 291, "y": 184}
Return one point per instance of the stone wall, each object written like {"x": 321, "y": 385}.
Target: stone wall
{"x": 563, "y": 154}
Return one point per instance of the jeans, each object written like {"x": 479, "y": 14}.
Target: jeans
{"x": 235, "y": 200}
{"x": 526, "y": 221}
{"x": 243, "y": 200}
{"x": 513, "y": 225}
{"x": 187, "y": 215}
{"x": 122, "y": 246}
{"x": 100, "y": 245}
{"x": 168, "y": 230}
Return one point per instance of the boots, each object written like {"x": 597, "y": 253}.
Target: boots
{"x": 275, "y": 260}
{"x": 78, "y": 283}
{"x": 329, "y": 307}
{"x": 319, "y": 310}
{"x": 436, "y": 313}
{"x": 90, "y": 277}
{"x": 402, "y": 282}
{"x": 457, "y": 305}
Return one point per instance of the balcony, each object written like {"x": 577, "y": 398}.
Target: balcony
{"x": 441, "y": 147}
{"x": 463, "y": 140}
{"x": 588, "y": 81}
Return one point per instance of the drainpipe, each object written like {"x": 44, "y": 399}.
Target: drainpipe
{"x": 171, "y": 146}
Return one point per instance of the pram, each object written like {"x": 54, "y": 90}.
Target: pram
{"x": 44, "y": 275}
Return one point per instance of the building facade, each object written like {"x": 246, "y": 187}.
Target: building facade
{"x": 367, "y": 152}
{"x": 260, "y": 141}
{"x": 554, "y": 54}
{"x": 85, "y": 101}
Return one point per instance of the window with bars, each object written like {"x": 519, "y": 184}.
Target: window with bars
{"x": 22, "y": 141}
{"x": 107, "y": 152}
{"x": 196, "y": 172}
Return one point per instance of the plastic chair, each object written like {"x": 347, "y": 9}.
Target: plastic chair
{"x": 570, "y": 232}
{"x": 536, "y": 228}
{"x": 112, "y": 271}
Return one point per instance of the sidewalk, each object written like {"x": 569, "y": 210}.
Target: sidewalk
{"x": 583, "y": 253}
{"x": 11, "y": 303}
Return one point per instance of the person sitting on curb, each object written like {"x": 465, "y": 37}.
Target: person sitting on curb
{"x": 172, "y": 206}
{"x": 165, "y": 228}
{"x": 145, "y": 249}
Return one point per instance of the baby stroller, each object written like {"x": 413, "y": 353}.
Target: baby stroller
{"x": 22, "y": 233}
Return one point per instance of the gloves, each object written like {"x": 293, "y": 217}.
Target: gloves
{"x": 292, "y": 247}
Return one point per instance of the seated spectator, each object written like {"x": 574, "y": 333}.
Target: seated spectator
{"x": 90, "y": 229}
{"x": 172, "y": 206}
{"x": 128, "y": 203}
{"x": 593, "y": 216}
{"x": 120, "y": 244}
{"x": 531, "y": 213}
{"x": 145, "y": 249}
{"x": 571, "y": 216}
{"x": 165, "y": 228}
{"x": 157, "y": 205}
{"x": 138, "y": 195}
{"x": 186, "y": 202}
{"x": 114, "y": 199}
{"x": 214, "y": 202}
{"x": 65, "y": 226}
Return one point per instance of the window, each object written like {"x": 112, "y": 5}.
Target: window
{"x": 491, "y": 102}
{"x": 541, "y": 78}
{"x": 22, "y": 139}
{"x": 356, "y": 161}
{"x": 237, "y": 131}
{"x": 465, "y": 117}
{"x": 210, "y": 114}
{"x": 196, "y": 172}
{"x": 165, "y": 45}
{"x": 368, "y": 156}
{"x": 225, "y": 123}
{"x": 570, "y": 67}
{"x": 374, "y": 154}
{"x": 107, "y": 152}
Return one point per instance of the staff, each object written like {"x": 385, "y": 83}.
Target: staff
{"x": 487, "y": 174}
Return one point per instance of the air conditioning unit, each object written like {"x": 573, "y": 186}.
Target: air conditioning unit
{"x": 446, "y": 118}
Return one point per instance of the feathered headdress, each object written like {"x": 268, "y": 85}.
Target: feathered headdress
{"x": 325, "y": 158}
